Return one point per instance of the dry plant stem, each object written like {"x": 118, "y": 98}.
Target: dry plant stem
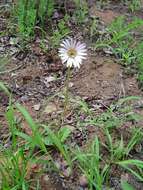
{"x": 66, "y": 93}
{"x": 12, "y": 70}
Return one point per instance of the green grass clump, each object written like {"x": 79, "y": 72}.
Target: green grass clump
{"x": 133, "y": 5}
{"x": 29, "y": 13}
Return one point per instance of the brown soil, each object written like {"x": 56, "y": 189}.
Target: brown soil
{"x": 51, "y": 183}
{"x": 103, "y": 78}
{"x": 106, "y": 16}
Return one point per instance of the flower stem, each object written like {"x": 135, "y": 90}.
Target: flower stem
{"x": 66, "y": 93}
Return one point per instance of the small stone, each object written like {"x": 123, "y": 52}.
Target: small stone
{"x": 83, "y": 181}
{"x": 58, "y": 165}
{"x": 24, "y": 98}
{"x": 49, "y": 79}
{"x": 50, "y": 108}
{"x": 55, "y": 15}
{"x": 125, "y": 177}
{"x": 37, "y": 107}
{"x": 67, "y": 172}
{"x": 13, "y": 41}
{"x": 1, "y": 49}
{"x": 138, "y": 148}
{"x": 46, "y": 178}
{"x": 71, "y": 84}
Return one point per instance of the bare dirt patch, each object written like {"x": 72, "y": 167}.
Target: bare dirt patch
{"x": 102, "y": 78}
{"x": 107, "y": 16}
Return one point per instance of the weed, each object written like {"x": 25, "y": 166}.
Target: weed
{"x": 81, "y": 11}
{"x": 4, "y": 88}
{"x": 126, "y": 186}
{"x": 93, "y": 28}
{"x": 139, "y": 60}
{"x": 120, "y": 42}
{"x": 98, "y": 169}
{"x": 134, "y": 5}
{"x": 13, "y": 169}
{"x": 29, "y": 13}
{"x": 15, "y": 160}
{"x": 44, "y": 8}
{"x": 137, "y": 163}
{"x": 61, "y": 31}
{"x": 25, "y": 14}
{"x": 90, "y": 165}
{"x": 121, "y": 39}
{"x": 43, "y": 45}
{"x": 117, "y": 148}
{"x": 57, "y": 141}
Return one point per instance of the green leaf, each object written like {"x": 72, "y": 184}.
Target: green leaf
{"x": 64, "y": 133}
{"x": 129, "y": 98}
{"x": 3, "y": 87}
{"x": 126, "y": 186}
{"x": 37, "y": 138}
{"x": 127, "y": 163}
{"x": 57, "y": 142}
{"x": 138, "y": 163}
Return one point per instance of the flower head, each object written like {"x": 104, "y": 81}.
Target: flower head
{"x": 72, "y": 52}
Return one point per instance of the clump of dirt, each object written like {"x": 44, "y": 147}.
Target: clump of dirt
{"x": 131, "y": 86}
{"x": 102, "y": 78}
{"x": 3, "y": 99}
{"x": 107, "y": 16}
{"x": 51, "y": 182}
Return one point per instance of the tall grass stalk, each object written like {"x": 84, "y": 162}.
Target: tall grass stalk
{"x": 66, "y": 103}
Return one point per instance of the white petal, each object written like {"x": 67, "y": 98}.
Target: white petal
{"x": 82, "y": 54}
{"x": 82, "y": 50}
{"x": 65, "y": 44}
{"x": 68, "y": 43}
{"x": 78, "y": 44}
{"x": 70, "y": 62}
{"x": 78, "y": 59}
{"x": 81, "y": 57}
{"x": 62, "y": 49}
{"x": 64, "y": 58}
{"x": 81, "y": 46}
{"x": 76, "y": 64}
{"x": 63, "y": 55}
{"x": 74, "y": 44}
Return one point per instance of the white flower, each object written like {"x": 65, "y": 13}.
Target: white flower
{"x": 72, "y": 52}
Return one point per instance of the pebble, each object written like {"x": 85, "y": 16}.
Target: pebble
{"x": 37, "y": 107}
{"x": 66, "y": 172}
{"x": 83, "y": 181}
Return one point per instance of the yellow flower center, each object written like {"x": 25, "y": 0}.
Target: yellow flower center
{"x": 72, "y": 52}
